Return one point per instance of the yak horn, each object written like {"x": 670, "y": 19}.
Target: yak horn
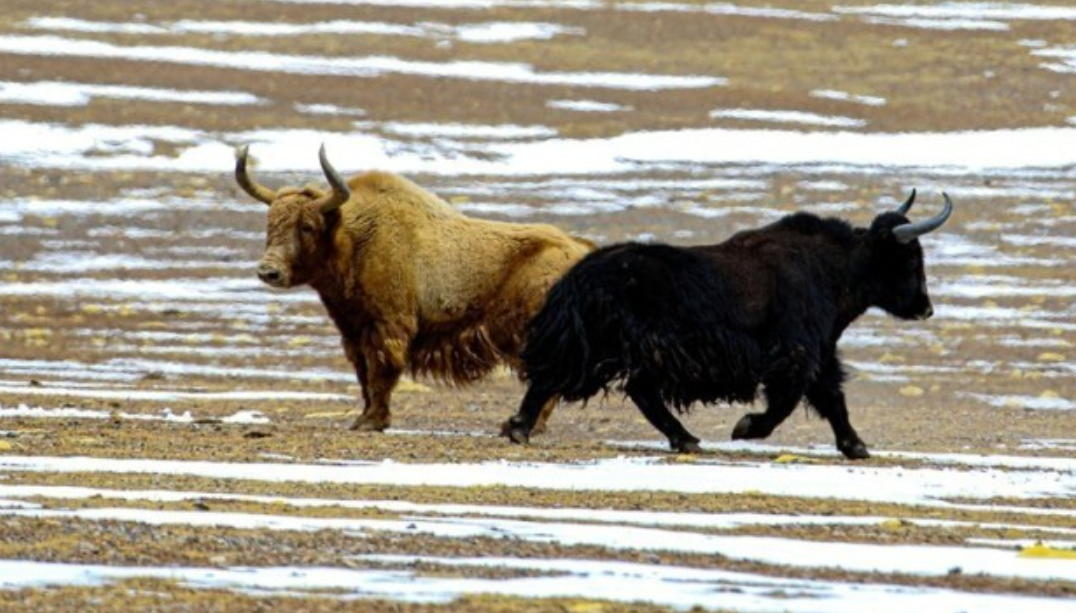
{"x": 258, "y": 192}
{"x": 340, "y": 193}
{"x": 907, "y": 206}
{"x": 908, "y": 232}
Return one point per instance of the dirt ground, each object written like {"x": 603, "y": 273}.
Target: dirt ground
{"x": 968, "y": 381}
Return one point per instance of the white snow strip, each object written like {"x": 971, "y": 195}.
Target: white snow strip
{"x": 923, "y": 23}
{"x": 329, "y": 109}
{"x": 222, "y": 289}
{"x": 586, "y": 106}
{"x": 166, "y": 415}
{"x": 721, "y": 521}
{"x": 1040, "y": 403}
{"x": 724, "y": 8}
{"x": 475, "y": 131}
{"x": 486, "y": 32}
{"x": 967, "y": 10}
{"x": 56, "y": 93}
{"x": 131, "y": 147}
{"x": 883, "y": 484}
{"x": 157, "y": 395}
{"x": 800, "y": 117}
{"x": 370, "y": 66}
{"x": 674, "y": 586}
{"x": 134, "y": 369}
{"x": 74, "y": 413}
{"x": 831, "y": 94}
{"x": 924, "y": 560}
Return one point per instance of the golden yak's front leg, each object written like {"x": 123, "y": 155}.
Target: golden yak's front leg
{"x": 378, "y": 371}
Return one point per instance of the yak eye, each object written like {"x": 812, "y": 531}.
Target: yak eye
{"x": 307, "y": 228}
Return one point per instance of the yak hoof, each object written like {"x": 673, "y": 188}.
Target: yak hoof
{"x": 855, "y": 451}
{"x": 686, "y": 446}
{"x": 508, "y": 426}
{"x": 519, "y": 436}
{"x": 366, "y": 423}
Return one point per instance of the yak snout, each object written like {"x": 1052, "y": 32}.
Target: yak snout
{"x": 272, "y": 275}
{"x": 926, "y": 313}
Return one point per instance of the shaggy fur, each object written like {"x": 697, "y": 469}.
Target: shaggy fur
{"x": 674, "y": 326}
{"x": 411, "y": 283}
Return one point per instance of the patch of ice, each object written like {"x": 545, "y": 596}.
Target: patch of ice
{"x": 370, "y": 66}
{"x": 586, "y": 106}
{"x": 328, "y": 109}
{"x": 45, "y": 145}
{"x": 832, "y": 94}
{"x": 157, "y": 395}
{"x": 488, "y": 32}
{"x": 511, "y": 31}
{"x": 130, "y": 369}
{"x": 924, "y": 23}
{"x": 800, "y": 117}
{"x": 675, "y": 586}
{"x": 57, "y": 93}
{"x": 25, "y": 411}
{"x": 967, "y": 10}
{"x": 1041, "y": 403}
{"x": 475, "y": 131}
{"x": 81, "y": 262}
{"x": 246, "y": 417}
{"x": 724, "y": 8}
{"x": 882, "y": 484}
{"x": 923, "y": 560}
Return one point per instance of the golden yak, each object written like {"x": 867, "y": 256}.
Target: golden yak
{"x": 412, "y": 284}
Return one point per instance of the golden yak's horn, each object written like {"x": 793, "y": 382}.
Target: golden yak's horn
{"x": 258, "y": 192}
{"x": 340, "y": 193}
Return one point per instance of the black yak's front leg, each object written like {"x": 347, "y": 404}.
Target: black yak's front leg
{"x": 784, "y": 385}
{"x": 519, "y": 426}
{"x": 647, "y": 397}
{"x": 827, "y": 397}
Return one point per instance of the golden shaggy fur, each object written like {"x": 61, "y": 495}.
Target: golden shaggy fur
{"x": 414, "y": 285}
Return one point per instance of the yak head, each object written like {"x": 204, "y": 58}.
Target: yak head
{"x": 301, "y": 222}
{"x": 896, "y": 269}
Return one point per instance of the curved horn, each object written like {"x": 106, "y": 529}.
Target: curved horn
{"x": 907, "y": 206}
{"x": 340, "y": 193}
{"x": 258, "y": 192}
{"x": 908, "y": 232}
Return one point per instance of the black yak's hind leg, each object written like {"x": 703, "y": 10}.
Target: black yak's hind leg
{"x": 647, "y": 397}
{"x": 827, "y": 397}
{"x": 520, "y": 426}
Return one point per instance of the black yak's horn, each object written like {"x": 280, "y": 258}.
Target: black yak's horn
{"x": 908, "y": 232}
{"x": 256, "y": 191}
{"x": 907, "y": 206}
{"x": 340, "y": 193}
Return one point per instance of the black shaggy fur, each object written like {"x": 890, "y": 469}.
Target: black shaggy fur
{"x": 674, "y": 326}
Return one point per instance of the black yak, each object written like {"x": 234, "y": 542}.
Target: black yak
{"x": 411, "y": 283}
{"x": 712, "y": 323}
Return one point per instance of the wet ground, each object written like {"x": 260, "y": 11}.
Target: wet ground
{"x": 171, "y": 432}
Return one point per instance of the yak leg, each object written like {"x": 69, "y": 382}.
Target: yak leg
{"x": 648, "y": 399}
{"x": 376, "y": 416}
{"x": 784, "y": 387}
{"x": 378, "y": 374}
{"x": 521, "y": 425}
{"x": 827, "y": 397}
{"x": 540, "y": 421}
{"x": 543, "y": 417}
